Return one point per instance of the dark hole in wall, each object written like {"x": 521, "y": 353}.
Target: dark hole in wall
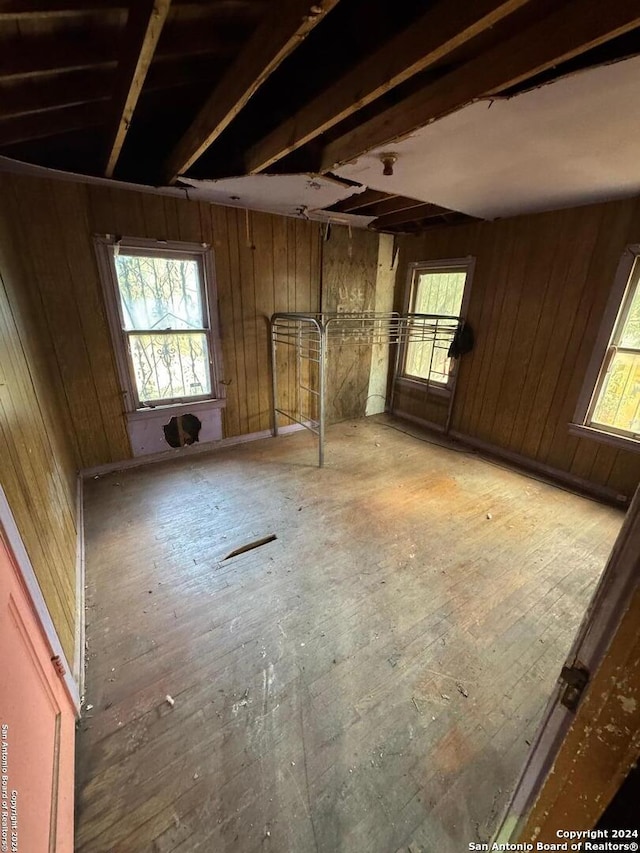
{"x": 182, "y": 429}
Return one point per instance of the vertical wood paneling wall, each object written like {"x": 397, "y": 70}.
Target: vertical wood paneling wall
{"x": 38, "y": 459}
{"x": 264, "y": 263}
{"x": 540, "y": 287}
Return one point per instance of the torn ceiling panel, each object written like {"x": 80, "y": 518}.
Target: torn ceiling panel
{"x": 571, "y": 142}
{"x": 281, "y": 198}
{"x": 303, "y": 195}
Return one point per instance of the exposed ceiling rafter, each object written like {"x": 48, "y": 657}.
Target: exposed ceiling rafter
{"x": 286, "y": 25}
{"x": 444, "y": 28}
{"x": 361, "y": 199}
{"x": 146, "y": 20}
{"x": 571, "y": 29}
{"x": 55, "y": 8}
{"x": 58, "y": 122}
{"x": 400, "y": 217}
{"x": 391, "y": 204}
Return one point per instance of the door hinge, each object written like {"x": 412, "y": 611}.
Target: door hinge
{"x": 59, "y": 666}
{"x": 576, "y": 678}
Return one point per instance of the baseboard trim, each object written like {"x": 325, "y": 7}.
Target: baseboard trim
{"x": 563, "y": 477}
{"x": 80, "y": 644}
{"x": 184, "y": 452}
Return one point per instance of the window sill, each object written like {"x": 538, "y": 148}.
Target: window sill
{"x": 619, "y": 441}
{"x": 170, "y": 409}
{"x": 423, "y": 385}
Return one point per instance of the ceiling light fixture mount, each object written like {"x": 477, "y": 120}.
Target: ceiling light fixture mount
{"x": 388, "y": 160}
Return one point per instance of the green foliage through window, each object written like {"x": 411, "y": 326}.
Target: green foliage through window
{"x": 617, "y": 399}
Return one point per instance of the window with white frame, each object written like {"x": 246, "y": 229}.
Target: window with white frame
{"x": 610, "y": 402}
{"x": 160, "y": 311}
{"x": 441, "y": 289}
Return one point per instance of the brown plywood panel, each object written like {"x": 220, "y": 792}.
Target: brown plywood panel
{"x": 349, "y": 268}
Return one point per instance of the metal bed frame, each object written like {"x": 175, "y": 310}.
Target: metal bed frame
{"x": 309, "y": 335}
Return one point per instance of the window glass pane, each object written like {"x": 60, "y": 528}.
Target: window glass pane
{"x": 159, "y": 293}
{"x": 434, "y": 293}
{"x": 419, "y": 359}
{"x": 630, "y": 336}
{"x": 170, "y": 366}
{"x": 619, "y": 402}
{"x": 439, "y": 292}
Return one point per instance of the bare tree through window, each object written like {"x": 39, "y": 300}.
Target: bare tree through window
{"x": 164, "y": 317}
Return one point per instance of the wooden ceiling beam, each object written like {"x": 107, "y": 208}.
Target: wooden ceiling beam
{"x": 420, "y": 226}
{"x": 400, "y": 217}
{"x": 363, "y": 199}
{"x": 55, "y": 123}
{"x": 146, "y": 20}
{"x": 444, "y": 28}
{"x": 23, "y": 9}
{"x": 55, "y": 8}
{"x": 24, "y": 97}
{"x": 392, "y": 204}
{"x": 49, "y": 54}
{"x": 571, "y": 29}
{"x": 67, "y": 51}
{"x": 282, "y": 30}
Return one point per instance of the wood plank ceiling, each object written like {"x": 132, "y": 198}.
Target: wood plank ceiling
{"x": 153, "y": 91}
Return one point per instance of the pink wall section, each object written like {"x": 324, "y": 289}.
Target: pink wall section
{"x": 36, "y": 727}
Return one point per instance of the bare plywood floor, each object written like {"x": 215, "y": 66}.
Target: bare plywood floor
{"x": 321, "y": 680}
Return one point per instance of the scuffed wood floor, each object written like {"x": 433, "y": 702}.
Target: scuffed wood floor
{"x": 367, "y": 681}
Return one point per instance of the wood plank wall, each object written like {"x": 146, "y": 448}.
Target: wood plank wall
{"x": 61, "y": 407}
{"x": 264, "y": 263}
{"x": 38, "y": 461}
{"x": 540, "y": 287}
